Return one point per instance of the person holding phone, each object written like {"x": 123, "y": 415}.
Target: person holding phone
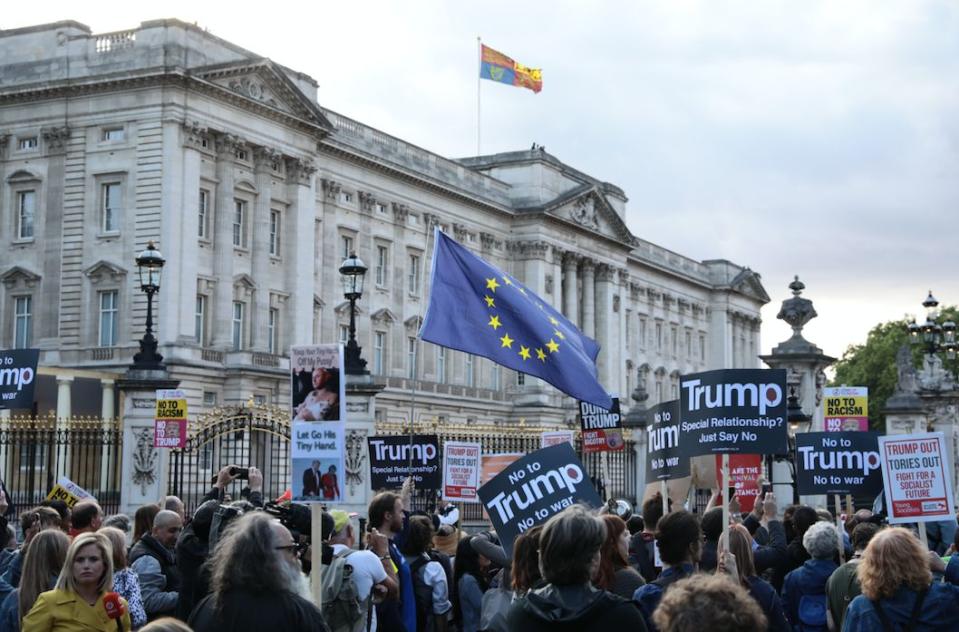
{"x": 81, "y": 601}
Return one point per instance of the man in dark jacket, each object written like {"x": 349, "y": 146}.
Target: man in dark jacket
{"x": 257, "y": 583}
{"x": 569, "y": 551}
{"x": 641, "y": 545}
{"x": 680, "y": 543}
{"x": 802, "y": 518}
{"x": 712, "y": 526}
{"x": 153, "y": 561}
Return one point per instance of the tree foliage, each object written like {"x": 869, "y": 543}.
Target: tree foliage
{"x": 873, "y": 364}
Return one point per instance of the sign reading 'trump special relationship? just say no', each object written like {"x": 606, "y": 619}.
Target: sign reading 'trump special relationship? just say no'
{"x": 733, "y": 410}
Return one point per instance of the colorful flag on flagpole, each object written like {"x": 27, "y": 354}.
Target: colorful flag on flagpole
{"x": 477, "y": 308}
{"x": 496, "y": 66}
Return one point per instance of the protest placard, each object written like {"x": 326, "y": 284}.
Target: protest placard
{"x": 69, "y": 492}
{"x": 663, "y": 461}
{"x": 317, "y": 387}
{"x": 170, "y": 419}
{"x": 602, "y": 428}
{"x": 733, "y": 410}
{"x": 838, "y": 463}
{"x": 535, "y": 487}
{"x": 461, "y": 470}
{"x": 553, "y": 437}
{"x": 390, "y": 458}
{"x": 493, "y": 464}
{"x": 744, "y": 472}
{"x": 916, "y": 481}
{"x": 18, "y": 372}
{"x": 845, "y": 408}
{"x": 316, "y": 453}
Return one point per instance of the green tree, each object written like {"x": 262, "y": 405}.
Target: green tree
{"x": 873, "y": 364}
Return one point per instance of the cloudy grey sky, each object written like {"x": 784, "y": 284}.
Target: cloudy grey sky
{"x": 814, "y": 138}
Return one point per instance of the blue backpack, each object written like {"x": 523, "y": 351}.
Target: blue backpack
{"x": 812, "y": 613}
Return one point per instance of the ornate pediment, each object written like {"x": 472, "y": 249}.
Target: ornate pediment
{"x": 748, "y": 282}
{"x": 383, "y": 315}
{"x": 19, "y": 278}
{"x": 343, "y": 309}
{"x": 105, "y": 271}
{"x": 413, "y": 323}
{"x": 264, "y": 83}
{"x": 588, "y": 208}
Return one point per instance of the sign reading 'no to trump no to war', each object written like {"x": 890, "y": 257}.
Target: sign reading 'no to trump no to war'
{"x": 733, "y": 410}
{"x": 534, "y": 488}
{"x": 838, "y": 463}
{"x": 663, "y": 461}
{"x": 916, "y": 481}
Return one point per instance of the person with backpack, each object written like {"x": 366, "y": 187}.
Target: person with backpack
{"x": 469, "y": 584}
{"x": 641, "y": 544}
{"x": 387, "y": 516}
{"x": 843, "y": 585}
{"x": 430, "y": 580}
{"x": 804, "y": 589}
{"x": 898, "y": 592}
{"x": 680, "y": 542}
{"x": 353, "y": 578}
{"x": 744, "y": 572}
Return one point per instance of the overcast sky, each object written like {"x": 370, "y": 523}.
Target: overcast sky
{"x": 814, "y": 138}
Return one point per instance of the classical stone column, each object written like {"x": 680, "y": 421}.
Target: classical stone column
{"x": 47, "y": 332}
{"x": 64, "y": 411}
{"x": 107, "y": 414}
{"x": 589, "y": 298}
{"x": 328, "y": 274}
{"x": 4, "y": 424}
{"x": 570, "y": 300}
{"x": 603, "y": 325}
{"x": 223, "y": 243}
{"x": 301, "y": 235}
{"x": 263, "y": 159}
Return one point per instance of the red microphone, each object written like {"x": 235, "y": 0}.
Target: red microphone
{"x": 114, "y": 608}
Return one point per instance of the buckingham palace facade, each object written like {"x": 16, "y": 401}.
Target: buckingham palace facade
{"x": 255, "y": 193}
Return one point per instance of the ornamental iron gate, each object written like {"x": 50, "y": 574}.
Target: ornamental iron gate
{"x": 245, "y": 436}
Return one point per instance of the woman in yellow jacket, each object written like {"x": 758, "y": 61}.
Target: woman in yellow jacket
{"x": 77, "y": 604}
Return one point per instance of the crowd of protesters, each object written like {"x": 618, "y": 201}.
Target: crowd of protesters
{"x": 228, "y": 565}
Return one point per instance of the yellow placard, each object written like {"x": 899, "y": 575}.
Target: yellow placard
{"x": 847, "y": 406}
{"x": 171, "y": 409}
{"x": 59, "y": 492}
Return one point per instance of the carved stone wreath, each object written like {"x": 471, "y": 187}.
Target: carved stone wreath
{"x": 144, "y": 459}
{"x": 355, "y": 441}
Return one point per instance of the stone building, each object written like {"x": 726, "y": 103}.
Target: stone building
{"x": 255, "y": 193}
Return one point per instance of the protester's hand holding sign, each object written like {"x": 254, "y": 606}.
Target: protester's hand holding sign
{"x": 770, "y": 509}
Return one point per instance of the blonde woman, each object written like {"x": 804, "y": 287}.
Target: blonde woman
{"x": 77, "y": 602}
{"x": 897, "y": 588}
{"x": 41, "y": 566}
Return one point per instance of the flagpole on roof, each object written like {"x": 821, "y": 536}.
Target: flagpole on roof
{"x": 479, "y": 83}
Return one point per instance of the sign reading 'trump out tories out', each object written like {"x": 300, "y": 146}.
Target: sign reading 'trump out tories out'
{"x": 535, "y": 487}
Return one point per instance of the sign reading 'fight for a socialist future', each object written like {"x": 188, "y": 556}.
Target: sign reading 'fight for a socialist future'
{"x": 733, "y": 411}
{"x": 532, "y": 489}
{"x": 916, "y": 482}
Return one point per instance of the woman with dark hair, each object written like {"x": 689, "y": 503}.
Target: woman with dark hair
{"x": 426, "y": 573}
{"x": 897, "y": 588}
{"x": 41, "y": 566}
{"x": 614, "y": 573}
{"x": 741, "y": 546}
{"x": 569, "y": 554}
{"x": 469, "y": 584}
{"x": 78, "y": 603}
{"x": 526, "y": 573}
{"x": 143, "y": 520}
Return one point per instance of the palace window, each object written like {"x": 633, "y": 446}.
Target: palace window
{"x": 239, "y": 223}
{"x": 22, "y": 321}
{"x": 199, "y": 326}
{"x": 411, "y": 358}
{"x": 379, "y": 347}
{"x": 382, "y": 261}
{"x": 113, "y": 134}
{"x": 470, "y": 374}
{"x": 239, "y": 316}
{"x": 110, "y": 207}
{"x": 203, "y": 215}
{"x": 494, "y": 377}
{"x": 273, "y": 330}
{"x": 414, "y": 275}
{"x": 441, "y": 364}
{"x": 27, "y": 143}
{"x": 108, "y": 318}
{"x": 346, "y": 246}
{"x": 275, "y": 233}
{"x": 26, "y": 213}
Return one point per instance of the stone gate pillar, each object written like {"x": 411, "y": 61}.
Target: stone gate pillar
{"x": 361, "y": 393}
{"x": 143, "y": 468}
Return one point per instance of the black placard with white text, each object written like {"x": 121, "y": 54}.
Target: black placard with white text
{"x": 390, "y": 461}
{"x": 18, "y": 376}
{"x": 602, "y": 429}
{"x": 733, "y": 411}
{"x": 838, "y": 463}
{"x": 663, "y": 461}
{"x": 533, "y": 488}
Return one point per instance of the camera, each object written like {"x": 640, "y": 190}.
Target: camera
{"x": 239, "y": 473}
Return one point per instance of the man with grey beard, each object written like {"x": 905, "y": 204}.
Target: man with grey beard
{"x": 257, "y": 582}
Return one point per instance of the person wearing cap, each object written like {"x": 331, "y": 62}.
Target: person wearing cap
{"x": 446, "y": 513}
{"x": 373, "y": 572}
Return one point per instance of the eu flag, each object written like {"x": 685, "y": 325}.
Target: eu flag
{"x": 477, "y": 308}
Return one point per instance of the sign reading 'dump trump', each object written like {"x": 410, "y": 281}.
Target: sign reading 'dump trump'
{"x": 733, "y": 410}
{"x": 533, "y": 489}
{"x": 602, "y": 428}
{"x": 663, "y": 461}
{"x": 916, "y": 480}
{"x": 390, "y": 458}
{"x": 838, "y": 463}
{"x": 18, "y": 372}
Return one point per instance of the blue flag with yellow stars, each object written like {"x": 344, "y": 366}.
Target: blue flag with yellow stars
{"x": 477, "y": 308}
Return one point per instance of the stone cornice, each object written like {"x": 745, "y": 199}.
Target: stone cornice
{"x": 300, "y": 170}
{"x": 331, "y": 189}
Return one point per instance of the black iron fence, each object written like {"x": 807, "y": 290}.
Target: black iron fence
{"x": 500, "y": 439}
{"x": 36, "y": 452}
{"x": 245, "y": 436}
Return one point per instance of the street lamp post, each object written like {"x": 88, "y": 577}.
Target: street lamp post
{"x": 149, "y": 266}
{"x": 934, "y": 337}
{"x": 352, "y": 274}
